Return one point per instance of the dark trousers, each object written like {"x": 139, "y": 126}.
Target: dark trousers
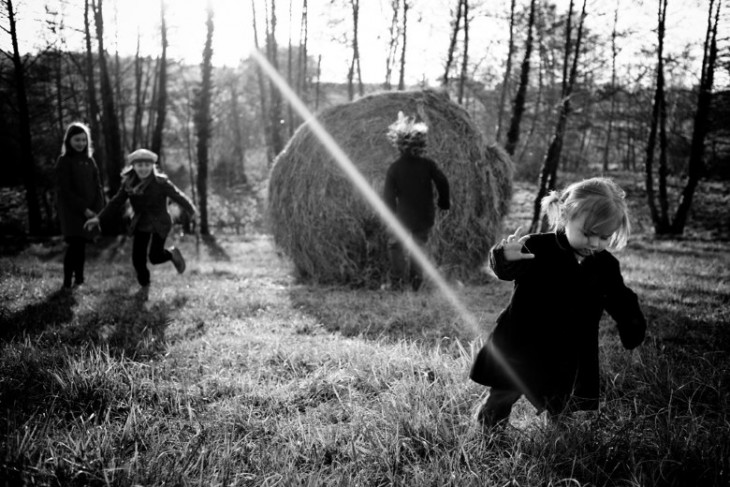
{"x": 404, "y": 268}
{"x": 73, "y": 261}
{"x": 157, "y": 253}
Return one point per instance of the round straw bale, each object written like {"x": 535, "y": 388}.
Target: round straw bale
{"x": 330, "y": 232}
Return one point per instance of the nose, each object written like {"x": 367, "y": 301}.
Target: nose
{"x": 593, "y": 241}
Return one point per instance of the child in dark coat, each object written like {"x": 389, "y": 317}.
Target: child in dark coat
{"x": 148, "y": 191}
{"x": 79, "y": 197}
{"x": 545, "y": 344}
{"x": 409, "y": 194}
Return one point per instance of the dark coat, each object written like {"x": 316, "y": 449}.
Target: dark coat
{"x": 150, "y": 205}
{"x": 78, "y": 188}
{"x": 548, "y": 334}
{"x": 409, "y": 191}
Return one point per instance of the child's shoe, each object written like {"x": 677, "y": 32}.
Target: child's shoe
{"x": 177, "y": 260}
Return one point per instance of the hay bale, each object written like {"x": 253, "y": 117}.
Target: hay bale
{"x": 333, "y": 236}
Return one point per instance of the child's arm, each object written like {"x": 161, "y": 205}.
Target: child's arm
{"x": 507, "y": 259}
{"x": 442, "y": 186}
{"x": 114, "y": 203}
{"x": 623, "y": 306}
{"x": 179, "y": 197}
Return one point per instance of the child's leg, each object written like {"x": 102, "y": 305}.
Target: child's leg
{"x": 416, "y": 271}
{"x": 497, "y": 407}
{"x": 158, "y": 253}
{"x": 71, "y": 259}
{"x": 397, "y": 262}
{"x": 80, "y": 261}
{"x": 139, "y": 257}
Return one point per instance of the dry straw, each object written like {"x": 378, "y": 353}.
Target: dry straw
{"x": 329, "y": 231}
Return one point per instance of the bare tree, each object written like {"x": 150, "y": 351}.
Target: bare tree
{"x": 548, "y": 174}
{"x": 402, "y": 77}
{"x": 203, "y": 122}
{"x": 26, "y": 146}
{"x": 465, "y": 53}
{"x": 272, "y": 50}
{"x": 110, "y": 122}
{"x": 612, "y": 109}
{"x": 161, "y": 105}
{"x": 455, "y": 28}
{"x": 658, "y": 123}
{"x": 393, "y": 34}
{"x": 354, "y": 69}
{"x": 303, "y": 41}
{"x": 513, "y": 135}
{"x": 262, "y": 89}
{"x": 507, "y": 70}
{"x": 91, "y": 102}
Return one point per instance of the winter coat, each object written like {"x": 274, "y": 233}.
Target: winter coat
{"x": 548, "y": 334}
{"x": 150, "y": 204}
{"x": 78, "y": 188}
{"x": 409, "y": 191}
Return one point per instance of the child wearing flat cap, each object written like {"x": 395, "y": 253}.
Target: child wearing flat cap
{"x": 147, "y": 190}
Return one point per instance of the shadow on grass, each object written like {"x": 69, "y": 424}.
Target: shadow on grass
{"x": 54, "y": 311}
{"x": 379, "y": 314}
{"x": 215, "y": 250}
{"x": 128, "y": 325}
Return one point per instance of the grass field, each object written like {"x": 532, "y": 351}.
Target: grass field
{"x": 236, "y": 374}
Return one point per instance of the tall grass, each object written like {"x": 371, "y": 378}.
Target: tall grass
{"x": 234, "y": 374}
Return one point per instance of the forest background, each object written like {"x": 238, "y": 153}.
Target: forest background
{"x": 133, "y": 71}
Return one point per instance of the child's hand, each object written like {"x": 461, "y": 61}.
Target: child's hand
{"x": 513, "y": 244}
{"x": 91, "y": 223}
{"x": 89, "y": 214}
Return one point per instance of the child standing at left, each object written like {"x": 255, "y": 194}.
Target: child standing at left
{"x": 147, "y": 190}
{"x": 79, "y": 197}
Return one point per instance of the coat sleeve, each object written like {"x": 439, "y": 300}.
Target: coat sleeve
{"x": 63, "y": 183}
{"x": 442, "y": 186}
{"x": 179, "y": 197}
{"x": 507, "y": 270}
{"x": 114, "y": 204}
{"x": 623, "y": 306}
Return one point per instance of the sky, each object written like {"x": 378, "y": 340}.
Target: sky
{"x": 428, "y": 29}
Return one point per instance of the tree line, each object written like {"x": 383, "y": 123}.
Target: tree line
{"x": 549, "y": 103}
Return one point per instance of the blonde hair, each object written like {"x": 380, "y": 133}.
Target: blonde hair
{"x": 407, "y": 135}
{"x": 600, "y": 199}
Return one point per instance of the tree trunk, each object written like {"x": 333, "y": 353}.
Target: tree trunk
{"x": 513, "y": 135}
{"x": 612, "y": 112}
{"x": 548, "y": 174}
{"x": 507, "y": 71}
{"x": 392, "y": 44}
{"x": 26, "y": 144}
{"x": 203, "y": 122}
{"x": 92, "y": 105}
{"x": 161, "y": 114}
{"x": 465, "y": 54}
{"x": 456, "y": 26}
{"x": 111, "y": 124}
{"x": 303, "y": 41}
{"x": 262, "y": 90}
{"x": 661, "y": 223}
{"x": 272, "y": 48}
{"x": 696, "y": 159}
{"x": 402, "y": 77}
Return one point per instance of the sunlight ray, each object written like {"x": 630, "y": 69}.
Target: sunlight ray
{"x": 376, "y": 202}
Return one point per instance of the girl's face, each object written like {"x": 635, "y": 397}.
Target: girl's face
{"x": 78, "y": 142}
{"x": 584, "y": 241}
{"x": 143, "y": 168}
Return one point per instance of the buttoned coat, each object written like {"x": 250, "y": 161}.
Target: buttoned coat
{"x": 545, "y": 343}
{"x": 78, "y": 188}
{"x": 150, "y": 204}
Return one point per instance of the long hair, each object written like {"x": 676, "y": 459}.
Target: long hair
{"x": 76, "y": 128}
{"x": 600, "y": 199}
